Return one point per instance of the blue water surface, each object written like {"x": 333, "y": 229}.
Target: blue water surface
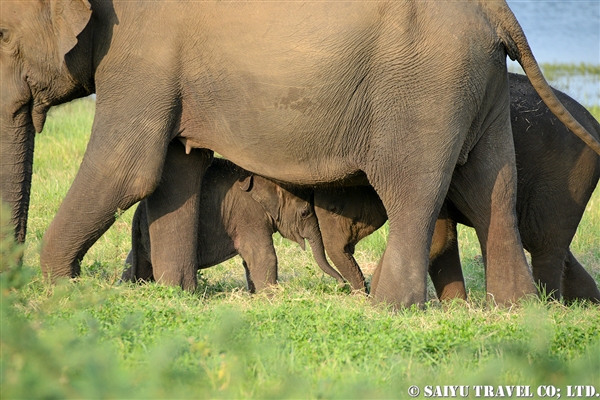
{"x": 563, "y": 32}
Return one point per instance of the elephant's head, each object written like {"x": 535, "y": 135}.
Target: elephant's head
{"x": 292, "y": 214}
{"x": 39, "y": 67}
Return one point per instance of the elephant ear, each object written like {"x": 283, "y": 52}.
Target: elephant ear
{"x": 267, "y": 194}
{"x": 246, "y": 183}
{"x": 69, "y": 18}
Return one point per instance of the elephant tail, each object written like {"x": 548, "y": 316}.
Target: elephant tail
{"x": 514, "y": 40}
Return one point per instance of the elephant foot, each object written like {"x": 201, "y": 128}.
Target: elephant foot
{"x": 509, "y": 285}
{"x": 453, "y": 291}
{"x": 508, "y": 277}
{"x": 578, "y": 284}
{"x": 510, "y": 298}
{"x": 185, "y": 278}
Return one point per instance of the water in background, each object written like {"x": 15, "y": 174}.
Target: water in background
{"x": 566, "y": 32}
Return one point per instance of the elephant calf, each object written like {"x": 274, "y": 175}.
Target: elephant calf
{"x": 557, "y": 174}
{"x": 239, "y": 214}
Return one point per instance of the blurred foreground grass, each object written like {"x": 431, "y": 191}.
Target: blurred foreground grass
{"x": 309, "y": 339}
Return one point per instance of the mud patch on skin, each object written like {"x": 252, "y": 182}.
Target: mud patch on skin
{"x": 294, "y": 101}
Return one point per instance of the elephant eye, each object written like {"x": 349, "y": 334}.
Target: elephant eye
{"x": 306, "y": 212}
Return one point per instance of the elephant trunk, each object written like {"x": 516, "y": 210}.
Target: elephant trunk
{"x": 315, "y": 240}
{"x": 16, "y": 168}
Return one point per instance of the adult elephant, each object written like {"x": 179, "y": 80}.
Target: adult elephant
{"x": 396, "y": 93}
{"x": 557, "y": 175}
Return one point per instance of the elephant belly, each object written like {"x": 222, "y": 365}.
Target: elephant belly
{"x": 289, "y": 95}
{"x": 213, "y": 249}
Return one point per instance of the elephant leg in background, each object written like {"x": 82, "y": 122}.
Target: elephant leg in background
{"x": 140, "y": 267}
{"x": 172, "y": 211}
{"x": 340, "y": 246}
{"x": 577, "y": 283}
{"x": 249, "y": 281}
{"x": 547, "y": 264}
{"x": 445, "y": 268}
{"x": 484, "y": 190}
{"x": 550, "y": 212}
{"x": 16, "y": 169}
{"x": 260, "y": 261}
{"x": 346, "y": 216}
{"x": 343, "y": 259}
{"x": 141, "y": 272}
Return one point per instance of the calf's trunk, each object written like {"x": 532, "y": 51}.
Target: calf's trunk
{"x": 315, "y": 241}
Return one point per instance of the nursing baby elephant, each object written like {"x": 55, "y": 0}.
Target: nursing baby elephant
{"x": 557, "y": 174}
{"x": 240, "y": 213}
{"x": 393, "y": 94}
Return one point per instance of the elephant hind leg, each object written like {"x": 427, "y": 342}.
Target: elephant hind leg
{"x": 412, "y": 200}
{"x": 577, "y": 283}
{"x": 484, "y": 190}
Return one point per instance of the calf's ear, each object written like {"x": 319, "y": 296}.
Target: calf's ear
{"x": 246, "y": 183}
{"x": 268, "y": 195}
{"x": 69, "y": 18}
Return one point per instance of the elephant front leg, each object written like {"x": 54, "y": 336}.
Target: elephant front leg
{"x": 108, "y": 180}
{"x": 340, "y": 246}
{"x": 343, "y": 259}
{"x": 123, "y": 164}
{"x": 260, "y": 262}
{"x": 173, "y": 217}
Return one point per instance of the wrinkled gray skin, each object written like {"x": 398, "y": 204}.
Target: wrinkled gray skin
{"x": 395, "y": 94}
{"x": 240, "y": 213}
{"x": 557, "y": 174}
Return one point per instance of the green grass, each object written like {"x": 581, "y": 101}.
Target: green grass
{"x": 581, "y": 81}
{"x": 95, "y": 338}
{"x": 555, "y": 71}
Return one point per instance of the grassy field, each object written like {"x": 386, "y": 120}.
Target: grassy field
{"x": 95, "y": 338}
